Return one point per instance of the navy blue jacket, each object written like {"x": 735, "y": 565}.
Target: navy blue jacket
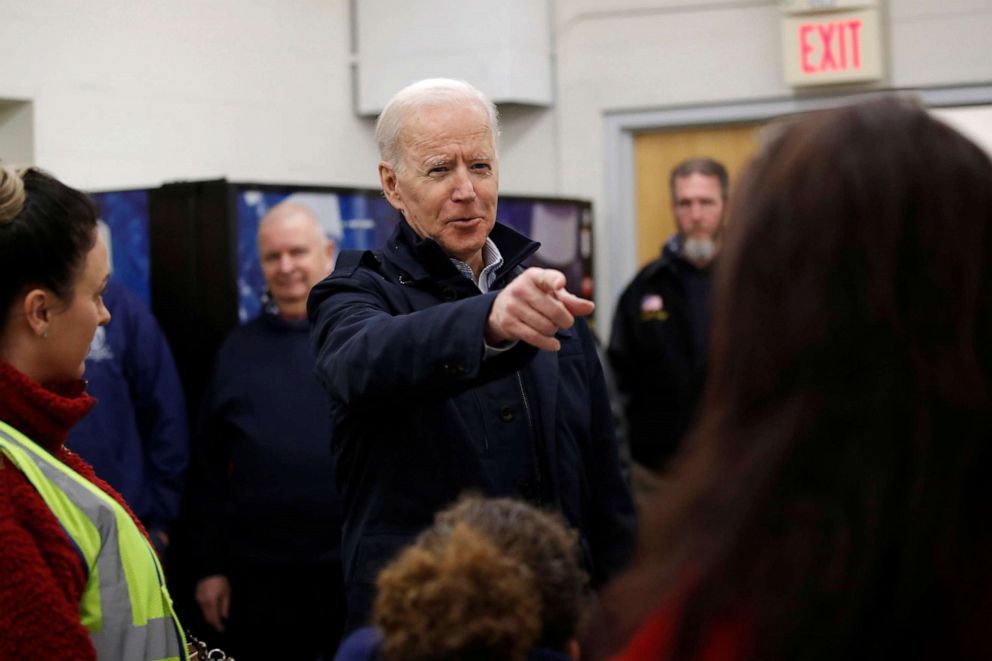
{"x": 264, "y": 450}
{"x": 418, "y": 417}
{"x": 136, "y": 437}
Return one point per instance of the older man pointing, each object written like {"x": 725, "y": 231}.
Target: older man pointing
{"x": 449, "y": 366}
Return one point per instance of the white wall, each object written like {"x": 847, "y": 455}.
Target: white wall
{"x": 133, "y": 93}
{"x": 136, "y": 93}
{"x": 974, "y": 122}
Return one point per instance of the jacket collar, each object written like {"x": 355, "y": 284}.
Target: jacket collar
{"x": 43, "y": 413}
{"x": 424, "y": 259}
{"x": 271, "y": 317}
{"x": 671, "y": 259}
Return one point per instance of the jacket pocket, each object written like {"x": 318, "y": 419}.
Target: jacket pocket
{"x": 374, "y": 552}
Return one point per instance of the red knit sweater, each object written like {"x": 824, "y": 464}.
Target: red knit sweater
{"x": 729, "y": 639}
{"x": 42, "y": 576}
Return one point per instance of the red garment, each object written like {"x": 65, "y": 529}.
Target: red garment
{"x": 42, "y": 575}
{"x": 727, "y": 640}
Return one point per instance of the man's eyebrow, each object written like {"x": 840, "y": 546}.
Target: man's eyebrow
{"x": 432, "y": 161}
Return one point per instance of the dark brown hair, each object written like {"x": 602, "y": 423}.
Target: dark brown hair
{"x": 46, "y": 229}
{"x": 834, "y": 490}
{"x": 700, "y": 165}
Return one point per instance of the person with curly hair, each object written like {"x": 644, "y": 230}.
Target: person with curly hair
{"x": 493, "y": 578}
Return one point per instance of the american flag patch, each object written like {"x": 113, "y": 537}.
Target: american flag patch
{"x": 652, "y": 303}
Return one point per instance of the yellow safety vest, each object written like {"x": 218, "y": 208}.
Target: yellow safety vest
{"x": 125, "y": 606}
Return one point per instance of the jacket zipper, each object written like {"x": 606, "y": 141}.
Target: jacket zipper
{"x": 533, "y": 436}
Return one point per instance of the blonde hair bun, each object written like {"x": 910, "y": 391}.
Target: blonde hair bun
{"x": 12, "y": 195}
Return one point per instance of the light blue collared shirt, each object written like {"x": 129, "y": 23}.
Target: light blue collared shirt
{"x": 491, "y": 260}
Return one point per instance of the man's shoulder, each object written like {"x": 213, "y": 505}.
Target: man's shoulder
{"x": 655, "y": 270}
{"x": 362, "y": 266}
{"x": 653, "y": 267}
{"x": 357, "y": 275}
{"x": 350, "y": 261}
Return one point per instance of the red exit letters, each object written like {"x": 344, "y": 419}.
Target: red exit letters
{"x": 833, "y": 46}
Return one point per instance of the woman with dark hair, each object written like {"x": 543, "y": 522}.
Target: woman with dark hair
{"x": 832, "y": 502}
{"x": 78, "y": 576}
{"x": 491, "y": 579}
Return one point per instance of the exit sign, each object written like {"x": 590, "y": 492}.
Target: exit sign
{"x": 832, "y": 47}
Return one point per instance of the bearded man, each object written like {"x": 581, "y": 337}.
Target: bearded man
{"x": 660, "y": 329}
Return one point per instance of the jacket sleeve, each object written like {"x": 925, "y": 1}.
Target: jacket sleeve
{"x": 367, "y": 348}
{"x": 612, "y": 528}
{"x": 160, "y": 412}
{"x": 38, "y": 619}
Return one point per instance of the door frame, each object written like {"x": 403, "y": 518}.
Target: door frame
{"x": 616, "y": 228}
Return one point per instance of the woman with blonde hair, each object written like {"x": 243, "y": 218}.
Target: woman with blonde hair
{"x": 78, "y": 576}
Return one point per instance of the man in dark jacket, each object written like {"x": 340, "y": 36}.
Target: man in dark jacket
{"x": 449, "y": 367}
{"x": 270, "y": 570}
{"x": 660, "y": 330}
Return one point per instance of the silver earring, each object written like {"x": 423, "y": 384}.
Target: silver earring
{"x": 44, "y": 335}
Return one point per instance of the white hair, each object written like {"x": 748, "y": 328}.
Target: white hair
{"x": 103, "y": 231}
{"x": 420, "y": 95}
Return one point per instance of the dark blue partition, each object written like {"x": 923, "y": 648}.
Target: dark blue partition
{"x": 125, "y": 214}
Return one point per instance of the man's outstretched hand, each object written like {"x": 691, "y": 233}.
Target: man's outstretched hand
{"x": 533, "y": 308}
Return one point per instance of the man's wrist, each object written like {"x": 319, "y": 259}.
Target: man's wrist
{"x": 491, "y": 351}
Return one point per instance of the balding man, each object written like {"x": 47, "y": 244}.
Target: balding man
{"x": 450, "y": 367}
{"x": 271, "y": 573}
